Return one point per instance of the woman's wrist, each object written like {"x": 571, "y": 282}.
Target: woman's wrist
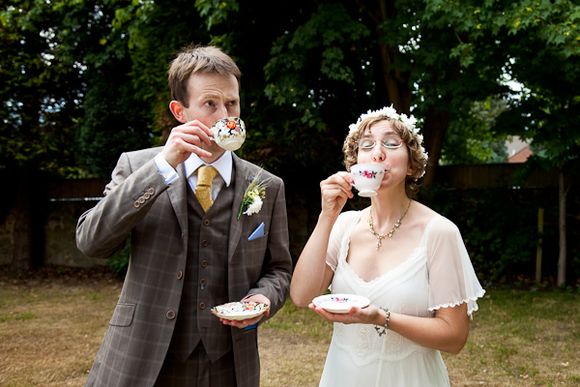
{"x": 382, "y": 321}
{"x": 328, "y": 219}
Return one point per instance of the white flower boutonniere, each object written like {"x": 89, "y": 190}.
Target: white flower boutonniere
{"x": 254, "y": 196}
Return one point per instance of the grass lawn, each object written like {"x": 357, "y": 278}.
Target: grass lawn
{"x": 52, "y": 325}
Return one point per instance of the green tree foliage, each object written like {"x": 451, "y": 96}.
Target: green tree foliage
{"x": 472, "y": 138}
{"x": 83, "y": 80}
{"x": 538, "y": 47}
{"x": 448, "y": 61}
{"x": 301, "y": 63}
{"x": 126, "y": 96}
{"x": 40, "y": 86}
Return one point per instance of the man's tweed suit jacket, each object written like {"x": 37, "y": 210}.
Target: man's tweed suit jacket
{"x": 140, "y": 206}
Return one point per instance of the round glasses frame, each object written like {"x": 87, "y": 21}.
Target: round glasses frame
{"x": 390, "y": 144}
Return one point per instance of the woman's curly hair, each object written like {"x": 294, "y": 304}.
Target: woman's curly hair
{"x": 417, "y": 155}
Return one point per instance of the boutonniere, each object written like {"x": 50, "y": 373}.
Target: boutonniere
{"x": 254, "y": 196}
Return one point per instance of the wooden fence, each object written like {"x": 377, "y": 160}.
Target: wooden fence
{"x": 65, "y": 200}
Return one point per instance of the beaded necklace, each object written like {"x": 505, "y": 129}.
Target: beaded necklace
{"x": 390, "y": 233}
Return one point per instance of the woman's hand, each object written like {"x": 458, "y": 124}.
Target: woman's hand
{"x": 446, "y": 331}
{"x": 335, "y": 191}
{"x": 368, "y": 315}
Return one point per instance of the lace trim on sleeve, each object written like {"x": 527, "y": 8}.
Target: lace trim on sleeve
{"x": 470, "y": 301}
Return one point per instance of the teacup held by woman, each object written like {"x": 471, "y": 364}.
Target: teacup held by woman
{"x": 367, "y": 178}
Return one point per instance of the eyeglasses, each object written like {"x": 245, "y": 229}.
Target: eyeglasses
{"x": 390, "y": 143}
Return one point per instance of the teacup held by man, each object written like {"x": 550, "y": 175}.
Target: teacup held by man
{"x": 229, "y": 133}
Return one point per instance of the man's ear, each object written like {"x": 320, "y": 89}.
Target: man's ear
{"x": 177, "y": 110}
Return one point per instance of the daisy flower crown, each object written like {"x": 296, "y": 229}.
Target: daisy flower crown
{"x": 389, "y": 112}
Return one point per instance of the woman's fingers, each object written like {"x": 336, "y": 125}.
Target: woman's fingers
{"x": 355, "y": 315}
{"x": 335, "y": 191}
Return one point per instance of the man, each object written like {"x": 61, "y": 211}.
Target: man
{"x": 185, "y": 257}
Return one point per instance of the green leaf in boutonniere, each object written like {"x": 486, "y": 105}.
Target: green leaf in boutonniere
{"x": 254, "y": 196}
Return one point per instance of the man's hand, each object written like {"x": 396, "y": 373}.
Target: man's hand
{"x": 242, "y": 324}
{"x": 185, "y": 139}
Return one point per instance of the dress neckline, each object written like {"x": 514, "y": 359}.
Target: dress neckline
{"x": 409, "y": 259}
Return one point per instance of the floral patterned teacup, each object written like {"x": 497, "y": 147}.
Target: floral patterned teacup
{"x": 367, "y": 178}
{"x": 229, "y": 133}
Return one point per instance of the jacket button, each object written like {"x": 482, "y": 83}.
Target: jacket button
{"x": 204, "y": 243}
{"x": 170, "y": 314}
{"x": 206, "y": 222}
{"x": 136, "y": 204}
{"x": 141, "y": 200}
{"x": 151, "y": 191}
{"x": 202, "y": 305}
{"x": 179, "y": 274}
{"x": 204, "y": 263}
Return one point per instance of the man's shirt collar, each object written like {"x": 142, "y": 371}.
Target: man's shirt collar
{"x": 223, "y": 165}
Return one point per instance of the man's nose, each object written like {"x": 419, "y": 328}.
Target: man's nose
{"x": 222, "y": 111}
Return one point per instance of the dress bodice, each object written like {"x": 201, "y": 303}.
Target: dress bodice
{"x": 436, "y": 274}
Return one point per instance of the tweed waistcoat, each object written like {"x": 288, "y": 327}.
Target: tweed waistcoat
{"x": 206, "y": 282}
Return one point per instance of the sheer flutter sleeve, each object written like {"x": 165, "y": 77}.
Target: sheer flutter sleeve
{"x": 339, "y": 230}
{"x": 452, "y": 279}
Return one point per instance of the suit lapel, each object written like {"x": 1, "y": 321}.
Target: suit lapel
{"x": 178, "y": 197}
{"x": 242, "y": 180}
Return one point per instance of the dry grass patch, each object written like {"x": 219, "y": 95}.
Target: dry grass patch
{"x": 52, "y": 325}
{"x": 521, "y": 338}
{"x": 50, "y": 328}
{"x": 290, "y": 360}
{"x": 293, "y": 348}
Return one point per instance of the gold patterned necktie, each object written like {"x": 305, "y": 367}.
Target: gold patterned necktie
{"x": 205, "y": 176}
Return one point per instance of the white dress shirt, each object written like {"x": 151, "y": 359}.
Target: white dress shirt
{"x": 223, "y": 165}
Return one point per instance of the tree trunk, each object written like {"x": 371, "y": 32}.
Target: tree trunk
{"x": 540, "y": 245}
{"x": 436, "y": 123}
{"x": 395, "y": 83}
{"x": 29, "y": 210}
{"x": 22, "y": 240}
{"x": 562, "y": 193}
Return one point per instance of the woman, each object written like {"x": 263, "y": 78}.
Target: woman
{"x": 409, "y": 261}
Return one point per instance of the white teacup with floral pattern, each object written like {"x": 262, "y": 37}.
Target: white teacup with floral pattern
{"x": 229, "y": 133}
{"x": 367, "y": 178}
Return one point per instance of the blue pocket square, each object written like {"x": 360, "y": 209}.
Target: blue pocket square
{"x": 257, "y": 233}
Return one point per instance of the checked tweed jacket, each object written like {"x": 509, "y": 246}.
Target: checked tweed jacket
{"x": 140, "y": 206}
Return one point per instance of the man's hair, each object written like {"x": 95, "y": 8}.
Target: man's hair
{"x": 198, "y": 60}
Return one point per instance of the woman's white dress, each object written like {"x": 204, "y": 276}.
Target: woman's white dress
{"x": 437, "y": 274}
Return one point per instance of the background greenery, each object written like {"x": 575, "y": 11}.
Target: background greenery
{"x": 83, "y": 80}
{"x": 500, "y": 229}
